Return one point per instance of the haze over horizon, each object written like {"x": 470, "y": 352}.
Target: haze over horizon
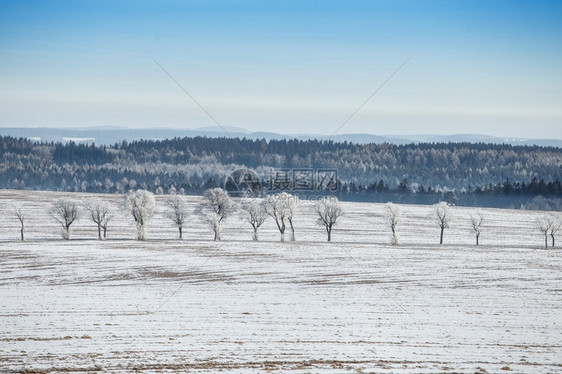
{"x": 289, "y": 67}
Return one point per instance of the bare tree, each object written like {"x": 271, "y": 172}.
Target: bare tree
{"x": 178, "y": 212}
{"x": 442, "y": 217}
{"x": 544, "y": 225}
{"x": 477, "y": 221}
{"x": 215, "y": 207}
{"x": 549, "y": 225}
{"x": 140, "y": 204}
{"x": 393, "y": 215}
{"x": 281, "y": 207}
{"x": 65, "y": 212}
{"x": 100, "y": 214}
{"x": 256, "y": 214}
{"x": 20, "y": 215}
{"x": 329, "y": 210}
{"x": 557, "y": 223}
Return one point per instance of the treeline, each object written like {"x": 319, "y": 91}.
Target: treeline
{"x": 216, "y": 206}
{"x": 469, "y": 174}
{"x": 534, "y": 187}
{"x": 536, "y": 194}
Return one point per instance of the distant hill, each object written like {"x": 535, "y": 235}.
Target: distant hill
{"x": 112, "y": 135}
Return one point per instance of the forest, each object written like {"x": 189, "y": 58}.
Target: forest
{"x": 470, "y": 174}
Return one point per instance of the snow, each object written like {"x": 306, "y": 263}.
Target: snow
{"x": 357, "y": 304}
{"x": 78, "y": 140}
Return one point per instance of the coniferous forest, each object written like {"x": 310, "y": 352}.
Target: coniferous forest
{"x": 461, "y": 173}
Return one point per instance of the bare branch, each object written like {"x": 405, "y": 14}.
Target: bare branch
{"x": 477, "y": 221}
{"x": 65, "y": 212}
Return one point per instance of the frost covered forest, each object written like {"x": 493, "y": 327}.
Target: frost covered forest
{"x": 461, "y": 173}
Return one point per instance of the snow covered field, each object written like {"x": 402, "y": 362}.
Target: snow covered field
{"x": 354, "y": 305}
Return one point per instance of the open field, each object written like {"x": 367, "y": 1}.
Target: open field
{"x": 354, "y": 305}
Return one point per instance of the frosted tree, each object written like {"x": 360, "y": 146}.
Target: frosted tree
{"x": 256, "y": 214}
{"x": 282, "y": 207}
{"x": 177, "y": 212}
{"x": 65, "y": 212}
{"x": 216, "y": 207}
{"x": 20, "y": 215}
{"x": 442, "y": 217}
{"x": 476, "y": 222}
{"x": 100, "y": 214}
{"x": 276, "y": 210}
{"x": 393, "y": 215}
{"x": 329, "y": 210}
{"x": 140, "y": 204}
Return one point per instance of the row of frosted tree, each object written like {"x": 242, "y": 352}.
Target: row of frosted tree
{"x": 217, "y": 206}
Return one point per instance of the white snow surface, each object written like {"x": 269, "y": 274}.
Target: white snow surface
{"x": 357, "y": 304}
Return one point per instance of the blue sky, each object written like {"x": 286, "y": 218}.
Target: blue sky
{"x": 489, "y": 67}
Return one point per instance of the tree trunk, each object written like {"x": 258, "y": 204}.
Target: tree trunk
{"x": 21, "y": 233}
{"x": 99, "y": 231}
{"x": 255, "y": 237}
{"x": 329, "y": 235}
{"x": 477, "y": 237}
{"x": 281, "y": 226}
{"x": 104, "y": 232}
{"x": 140, "y": 233}
{"x": 181, "y": 234}
{"x": 217, "y": 232}
{"x": 292, "y": 230}
{"x": 441, "y": 238}
{"x": 545, "y": 241}
{"x": 551, "y": 235}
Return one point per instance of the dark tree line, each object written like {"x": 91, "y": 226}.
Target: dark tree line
{"x": 462, "y": 173}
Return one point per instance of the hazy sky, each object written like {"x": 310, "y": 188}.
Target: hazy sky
{"x": 489, "y": 67}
